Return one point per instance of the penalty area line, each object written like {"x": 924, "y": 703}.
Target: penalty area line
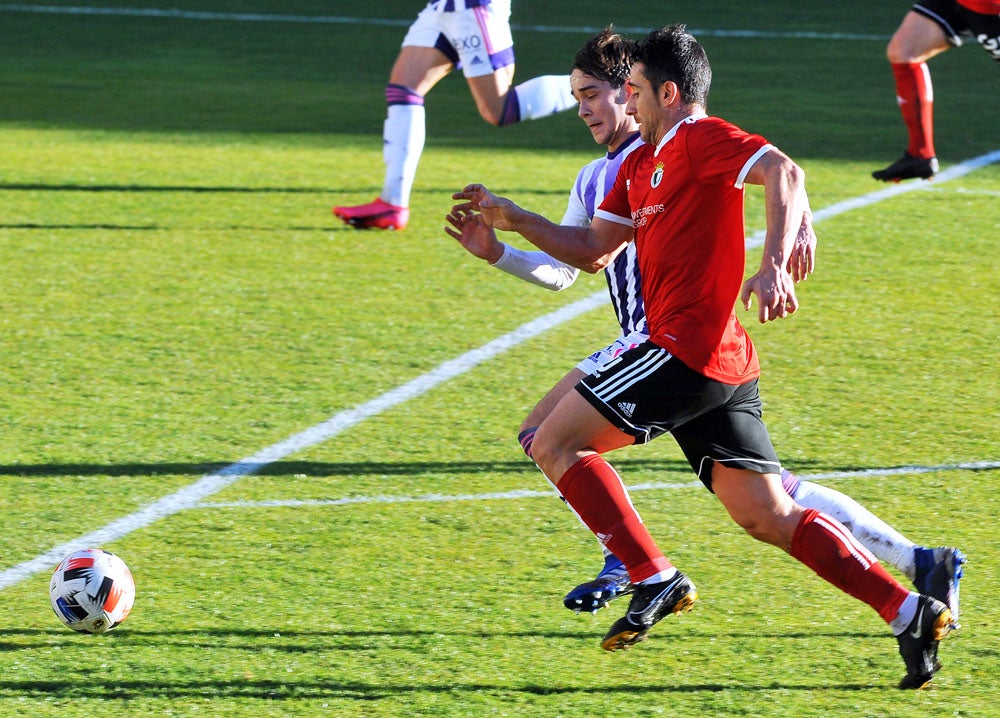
{"x": 191, "y": 495}
{"x": 517, "y": 494}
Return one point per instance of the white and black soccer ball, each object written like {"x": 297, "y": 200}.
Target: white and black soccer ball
{"x": 92, "y": 591}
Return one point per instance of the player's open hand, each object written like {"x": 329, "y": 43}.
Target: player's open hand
{"x": 775, "y": 292}
{"x": 472, "y": 233}
{"x": 802, "y": 261}
{"x": 497, "y": 212}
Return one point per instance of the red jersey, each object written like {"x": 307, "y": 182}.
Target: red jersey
{"x": 685, "y": 200}
{"x": 983, "y": 7}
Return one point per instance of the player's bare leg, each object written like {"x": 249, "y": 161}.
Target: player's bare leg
{"x": 612, "y": 580}
{"x": 568, "y": 444}
{"x": 759, "y": 504}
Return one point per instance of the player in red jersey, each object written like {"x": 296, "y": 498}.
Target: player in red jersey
{"x": 680, "y": 198}
{"x": 928, "y": 29}
{"x": 599, "y": 76}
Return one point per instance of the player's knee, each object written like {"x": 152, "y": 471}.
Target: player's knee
{"x": 542, "y": 454}
{"x": 491, "y": 117}
{"x": 894, "y": 52}
{"x": 546, "y": 452}
{"x": 762, "y": 531}
{"x": 491, "y": 109}
{"x": 773, "y": 529}
{"x": 903, "y": 50}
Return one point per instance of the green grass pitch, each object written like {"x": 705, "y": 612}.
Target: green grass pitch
{"x": 177, "y": 297}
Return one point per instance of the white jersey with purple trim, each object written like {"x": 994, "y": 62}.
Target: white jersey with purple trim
{"x": 592, "y": 184}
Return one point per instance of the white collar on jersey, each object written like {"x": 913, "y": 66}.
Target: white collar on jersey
{"x": 690, "y": 119}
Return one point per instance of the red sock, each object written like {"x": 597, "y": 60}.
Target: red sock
{"x": 596, "y": 493}
{"x": 916, "y": 102}
{"x": 828, "y": 548}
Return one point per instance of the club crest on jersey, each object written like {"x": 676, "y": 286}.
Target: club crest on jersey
{"x": 657, "y": 177}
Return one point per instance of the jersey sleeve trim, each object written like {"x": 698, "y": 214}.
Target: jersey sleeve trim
{"x": 750, "y": 163}
{"x": 617, "y": 219}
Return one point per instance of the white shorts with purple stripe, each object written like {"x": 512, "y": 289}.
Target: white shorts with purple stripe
{"x": 477, "y": 38}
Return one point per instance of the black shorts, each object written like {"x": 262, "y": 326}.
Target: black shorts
{"x": 646, "y": 392}
{"x": 960, "y": 23}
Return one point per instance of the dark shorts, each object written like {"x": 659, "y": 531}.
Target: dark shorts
{"x": 959, "y": 24}
{"x": 647, "y": 392}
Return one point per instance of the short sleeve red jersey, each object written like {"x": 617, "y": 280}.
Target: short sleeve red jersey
{"x": 983, "y": 7}
{"x": 685, "y": 200}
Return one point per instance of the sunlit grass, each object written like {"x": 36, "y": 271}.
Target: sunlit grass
{"x": 177, "y": 297}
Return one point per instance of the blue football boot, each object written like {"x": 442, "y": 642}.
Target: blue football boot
{"x": 611, "y": 582}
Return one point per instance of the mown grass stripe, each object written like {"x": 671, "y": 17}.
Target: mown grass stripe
{"x": 518, "y": 494}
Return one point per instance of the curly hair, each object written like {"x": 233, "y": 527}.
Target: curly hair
{"x": 607, "y": 56}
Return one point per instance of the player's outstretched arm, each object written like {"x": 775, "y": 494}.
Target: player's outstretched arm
{"x": 481, "y": 241}
{"x": 588, "y": 248}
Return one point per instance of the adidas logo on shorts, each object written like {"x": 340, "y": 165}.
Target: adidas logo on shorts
{"x": 626, "y": 408}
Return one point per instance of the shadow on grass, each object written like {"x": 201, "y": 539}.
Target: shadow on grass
{"x": 385, "y": 468}
{"x": 271, "y": 690}
{"x": 320, "y": 642}
{"x": 224, "y": 189}
{"x": 163, "y": 228}
{"x": 350, "y": 468}
{"x": 39, "y": 187}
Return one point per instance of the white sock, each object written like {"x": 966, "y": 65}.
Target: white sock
{"x": 660, "y": 577}
{"x": 906, "y": 613}
{"x": 544, "y": 95}
{"x": 876, "y": 535}
{"x": 403, "y": 142}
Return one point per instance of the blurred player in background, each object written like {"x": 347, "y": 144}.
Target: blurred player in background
{"x": 475, "y": 36}
{"x": 679, "y": 197}
{"x": 599, "y": 75}
{"x": 928, "y": 29}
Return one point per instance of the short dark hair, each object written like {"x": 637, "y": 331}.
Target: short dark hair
{"x": 607, "y": 56}
{"x": 671, "y": 54}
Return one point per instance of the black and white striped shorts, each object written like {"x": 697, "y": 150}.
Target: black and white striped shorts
{"x": 646, "y": 392}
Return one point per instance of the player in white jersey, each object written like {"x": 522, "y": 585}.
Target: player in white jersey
{"x": 600, "y": 71}
{"x": 473, "y": 35}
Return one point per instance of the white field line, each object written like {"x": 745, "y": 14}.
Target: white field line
{"x": 191, "y": 495}
{"x": 174, "y": 13}
{"x": 518, "y": 494}
{"x": 893, "y": 190}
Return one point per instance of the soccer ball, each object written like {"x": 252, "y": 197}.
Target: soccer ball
{"x": 92, "y": 591}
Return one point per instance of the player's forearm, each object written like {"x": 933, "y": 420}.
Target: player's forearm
{"x": 567, "y": 244}
{"x": 785, "y": 203}
{"x": 536, "y": 267}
